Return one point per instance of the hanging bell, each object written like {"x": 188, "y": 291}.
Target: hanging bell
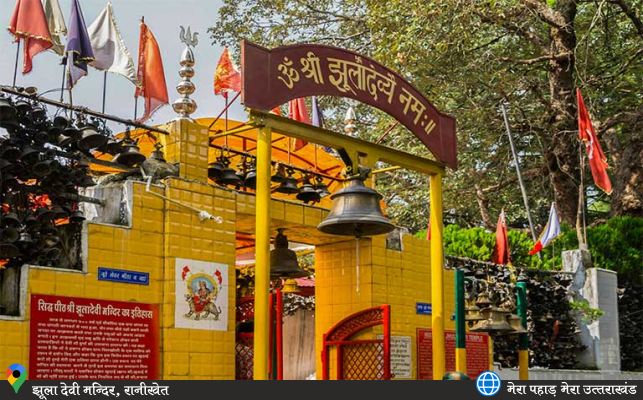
{"x": 44, "y": 214}
{"x": 77, "y": 217}
{"x": 228, "y": 176}
{"x": 31, "y": 222}
{"x": 215, "y": 169}
{"x": 7, "y": 110}
{"x": 251, "y": 178}
{"x": 59, "y": 212}
{"x": 495, "y": 322}
{"x": 71, "y": 132}
{"x": 241, "y": 174}
{"x": 290, "y": 286}
{"x": 7, "y": 250}
{"x": 48, "y": 228}
{"x": 130, "y": 155}
{"x": 61, "y": 122}
{"x": 9, "y": 234}
{"x": 10, "y": 153}
{"x": 516, "y": 323}
{"x": 113, "y": 147}
{"x": 356, "y": 210}
{"x": 38, "y": 113}
{"x": 90, "y": 138}
{"x": 30, "y": 155}
{"x": 10, "y": 181}
{"x": 289, "y": 184}
{"x": 52, "y": 254}
{"x": 86, "y": 181}
{"x": 279, "y": 176}
{"x": 25, "y": 239}
{"x": 321, "y": 187}
{"x": 11, "y": 219}
{"x": 5, "y": 166}
{"x": 41, "y": 136}
{"x": 473, "y": 314}
{"x": 283, "y": 261}
{"x": 307, "y": 193}
{"x": 64, "y": 141}
{"x": 23, "y": 107}
{"x": 158, "y": 155}
{"x": 42, "y": 168}
{"x": 483, "y": 300}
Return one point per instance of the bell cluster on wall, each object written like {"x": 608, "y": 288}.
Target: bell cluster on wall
{"x": 630, "y": 322}
{"x": 43, "y": 163}
{"x": 553, "y": 333}
{"x": 311, "y": 190}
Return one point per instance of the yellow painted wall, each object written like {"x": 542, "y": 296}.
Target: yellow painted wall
{"x": 159, "y": 233}
{"x": 397, "y": 278}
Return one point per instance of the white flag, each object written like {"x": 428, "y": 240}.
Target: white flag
{"x": 56, "y": 25}
{"x": 551, "y": 232}
{"x": 110, "y": 52}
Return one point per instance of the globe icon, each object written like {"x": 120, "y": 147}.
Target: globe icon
{"x": 488, "y": 383}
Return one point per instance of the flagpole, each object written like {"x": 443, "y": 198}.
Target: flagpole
{"x": 15, "y": 69}
{"x": 520, "y": 181}
{"x": 62, "y": 85}
{"x": 225, "y": 95}
{"x": 104, "y": 90}
{"x": 580, "y": 216}
{"x": 135, "y": 107}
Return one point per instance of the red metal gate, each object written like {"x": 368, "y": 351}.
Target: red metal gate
{"x": 360, "y": 359}
{"x": 245, "y": 340}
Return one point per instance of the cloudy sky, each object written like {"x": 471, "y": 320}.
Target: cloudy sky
{"x": 163, "y": 17}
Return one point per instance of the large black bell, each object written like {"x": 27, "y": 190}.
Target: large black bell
{"x": 307, "y": 193}
{"x": 90, "y": 137}
{"x": 7, "y": 250}
{"x": 283, "y": 261}
{"x": 8, "y": 114}
{"x": 228, "y": 175}
{"x": 130, "y": 155}
{"x": 288, "y": 185}
{"x": 42, "y": 168}
{"x": 356, "y": 210}
{"x": 10, "y": 153}
{"x": 321, "y": 187}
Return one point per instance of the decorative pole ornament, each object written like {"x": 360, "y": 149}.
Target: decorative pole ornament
{"x": 184, "y": 105}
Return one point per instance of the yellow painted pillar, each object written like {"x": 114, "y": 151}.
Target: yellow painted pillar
{"x": 437, "y": 276}
{"x": 262, "y": 255}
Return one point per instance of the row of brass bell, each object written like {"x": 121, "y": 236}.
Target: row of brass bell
{"x": 495, "y": 321}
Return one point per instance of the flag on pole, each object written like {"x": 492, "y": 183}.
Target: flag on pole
{"x": 597, "y": 159}
{"x": 501, "y": 251}
{"x": 110, "y": 52}
{"x": 298, "y": 111}
{"x": 551, "y": 232}
{"x": 78, "y": 44}
{"x": 318, "y": 117}
{"x": 56, "y": 24}
{"x": 29, "y": 23}
{"x": 276, "y": 111}
{"x": 226, "y": 76}
{"x": 151, "y": 76}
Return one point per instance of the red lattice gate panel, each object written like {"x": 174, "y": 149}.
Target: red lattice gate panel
{"x": 360, "y": 359}
{"x": 244, "y": 356}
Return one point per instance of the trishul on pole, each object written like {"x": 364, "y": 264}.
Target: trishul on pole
{"x": 184, "y": 105}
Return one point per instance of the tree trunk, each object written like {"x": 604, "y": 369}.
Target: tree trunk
{"x": 483, "y": 204}
{"x": 626, "y": 160}
{"x": 562, "y": 152}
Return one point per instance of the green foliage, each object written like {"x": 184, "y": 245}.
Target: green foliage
{"x": 589, "y": 314}
{"x": 616, "y": 245}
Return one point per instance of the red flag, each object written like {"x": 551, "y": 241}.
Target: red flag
{"x": 226, "y": 76}
{"x": 29, "y": 22}
{"x": 501, "y": 251}
{"x": 597, "y": 159}
{"x": 428, "y": 231}
{"x": 297, "y": 110}
{"x": 150, "y": 74}
{"x": 276, "y": 111}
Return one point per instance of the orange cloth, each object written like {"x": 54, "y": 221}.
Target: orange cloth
{"x": 226, "y": 76}
{"x": 501, "y": 252}
{"x": 29, "y": 22}
{"x": 150, "y": 74}
{"x": 298, "y": 111}
{"x": 597, "y": 159}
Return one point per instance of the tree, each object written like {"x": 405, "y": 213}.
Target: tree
{"x": 468, "y": 57}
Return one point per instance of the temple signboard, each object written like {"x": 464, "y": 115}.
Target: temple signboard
{"x": 271, "y": 78}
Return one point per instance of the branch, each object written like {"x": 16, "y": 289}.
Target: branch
{"x": 620, "y": 118}
{"x": 546, "y": 13}
{"x": 517, "y": 30}
{"x": 638, "y": 24}
{"x": 527, "y": 174}
{"x": 560, "y": 56}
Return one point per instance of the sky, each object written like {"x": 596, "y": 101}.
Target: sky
{"x": 164, "y": 18}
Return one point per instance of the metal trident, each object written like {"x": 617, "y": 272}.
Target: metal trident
{"x": 189, "y": 39}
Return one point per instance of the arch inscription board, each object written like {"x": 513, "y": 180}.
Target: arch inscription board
{"x": 270, "y": 78}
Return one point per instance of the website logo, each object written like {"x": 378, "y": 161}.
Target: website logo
{"x": 16, "y": 375}
{"x": 488, "y": 383}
